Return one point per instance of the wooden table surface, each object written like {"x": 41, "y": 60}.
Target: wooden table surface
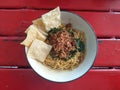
{"x": 16, "y": 16}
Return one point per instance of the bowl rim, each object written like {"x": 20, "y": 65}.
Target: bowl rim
{"x": 92, "y": 61}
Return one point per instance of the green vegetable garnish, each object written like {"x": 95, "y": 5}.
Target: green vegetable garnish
{"x": 54, "y": 30}
{"x": 71, "y": 31}
{"x": 80, "y": 45}
{"x": 72, "y": 54}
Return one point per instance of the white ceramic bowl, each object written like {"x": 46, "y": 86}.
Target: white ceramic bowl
{"x": 91, "y": 51}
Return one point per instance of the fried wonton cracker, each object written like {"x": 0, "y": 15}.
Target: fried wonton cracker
{"x": 40, "y": 25}
{"x": 39, "y": 50}
{"x": 52, "y": 19}
{"x": 32, "y": 34}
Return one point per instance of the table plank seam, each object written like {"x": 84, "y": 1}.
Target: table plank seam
{"x": 28, "y": 67}
{"x": 47, "y": 9}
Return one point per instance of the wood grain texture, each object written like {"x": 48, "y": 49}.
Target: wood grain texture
{"x": 15, "y": 22}
{"x": 27, "y": 79}
{"x": 12, "y": 53}
{"x": 101, "y": 5}
{"x": 104, "y": 5}
{"x": 12, "y": 4}
{"x": 105, "y": 24}
{"x": 108, "y": 53}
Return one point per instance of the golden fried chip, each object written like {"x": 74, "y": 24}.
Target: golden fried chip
{"x": 39, "y": 50}
{"x": 33, "y": 33}
{"x": 52, "y": 19}
{"x": 40, "y": 25}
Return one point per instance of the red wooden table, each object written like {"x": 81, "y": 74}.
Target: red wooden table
{"x": 16, "y": 16}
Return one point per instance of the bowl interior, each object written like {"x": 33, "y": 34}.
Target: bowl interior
{"x": 91, "y": 50}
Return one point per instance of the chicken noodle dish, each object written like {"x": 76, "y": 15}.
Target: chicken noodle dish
{"x": 68, "y": 47}
{"x": 54, "y": 44}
